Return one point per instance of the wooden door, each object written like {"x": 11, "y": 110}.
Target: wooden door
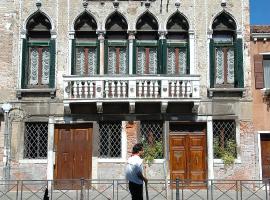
{"x": 73, "y": 146}
{"x": 188, "y": 156}
{"x": 265, "y": 151}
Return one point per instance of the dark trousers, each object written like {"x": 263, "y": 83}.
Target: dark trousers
{"x": 136, "y": 191}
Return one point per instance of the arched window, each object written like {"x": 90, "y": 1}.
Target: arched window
{"x": 147, "y": 51}
{"x": 177, "y": 48}
{"x": 116, "y": 45}
{"x": 85, "y": 46}
{"x": 38, "y": 57}
{"x": 226, "y": 53}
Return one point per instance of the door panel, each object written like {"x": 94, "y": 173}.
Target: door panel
{"x": 265, "y": 151}
{"x": 188, "y": 156}
{"x": 73, "y": 147}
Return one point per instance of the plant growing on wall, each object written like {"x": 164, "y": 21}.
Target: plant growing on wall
{"x": 152, "y": 151}
{"x": 226, "y": 151}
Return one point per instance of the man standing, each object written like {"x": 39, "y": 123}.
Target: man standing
{"x": 134, "y": 173}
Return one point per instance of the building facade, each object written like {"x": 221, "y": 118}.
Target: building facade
{"x": 83, "y": 81}
{"x": 260, "y": 48}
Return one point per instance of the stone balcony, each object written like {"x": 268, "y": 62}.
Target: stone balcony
{"x": 131, "y": 89}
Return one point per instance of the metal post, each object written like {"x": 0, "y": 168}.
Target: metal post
{"x": 6, "y": 159}
{"x": 177, "y": 196}
{"x": 82, "y": 189}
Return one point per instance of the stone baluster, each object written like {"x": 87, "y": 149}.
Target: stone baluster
{"x": 151, "y": 89}
{"x": 107, "y": 89}
{"x": 172, "y": 83}
{"x": 75, "y": 89}
{"x": 124, "y": 88}
{"x": 177, "y": 89}
{"x": 188, "y": 89}
{"x": 112, "y": 86}
{"x": 145, "y": 86}
{"x": 140, "y": 88}
{"x": 80, "y": 89}
{"x": 118, "y": 86}
{"x": 156, "y": 89}
{"x": 91, "y": 89}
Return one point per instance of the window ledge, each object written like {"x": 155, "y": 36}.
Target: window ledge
{"x": 33, "y": 161}
{"x": 226, "y": 92}
{"x": 50, "y": 91}
{"x": 111, "y": 160}
{"x": 220, "y": 161}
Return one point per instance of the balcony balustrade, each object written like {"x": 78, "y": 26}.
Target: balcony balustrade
{"x": 131, "y": 88}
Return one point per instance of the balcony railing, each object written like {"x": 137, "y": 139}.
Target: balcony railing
{"x": 116, "y": 88}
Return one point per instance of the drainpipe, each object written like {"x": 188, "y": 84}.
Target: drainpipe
{"x": 6, "y": 159}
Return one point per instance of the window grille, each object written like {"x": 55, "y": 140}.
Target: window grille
{"x": 152, "y": 135}
{"x": 35, "y": 140}
{"x": 110, "y": 139}
{"x": 224, "y": 132}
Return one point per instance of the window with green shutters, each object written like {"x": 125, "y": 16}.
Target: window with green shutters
{"x": 38, "y": 55}
{"x": 116, "y": 56}
{"x": 224, "y": 64}
{"x": 177, "y": 57}
{"x": 147, "y": 57}
{"x": 147, "y": 46}
{"x": 38, "y": 72}
{"x": 226, "y": 54}
{"x": 85, "y": 46}
{"x": 86, "y": 58}
{"x": 116, "y": 45}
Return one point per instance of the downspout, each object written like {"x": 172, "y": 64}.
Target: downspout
{"x": 6, "y": 159}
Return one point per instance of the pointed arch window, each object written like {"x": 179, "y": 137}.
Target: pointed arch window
{"x": 226, "y": 61}
{"x": 116, "y": 45}
{"x": 38, "y": 57}
{"x": 85, "y": 46}
{"x": 176, "y": 55}
{"x": 147, "y": 47}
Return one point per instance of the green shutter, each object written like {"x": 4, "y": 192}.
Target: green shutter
{"x": 98, "y": 56}
{"x": 188, "y": 58}
{"x": 212, "y": 63}
{"x": 239, "y": 64}
{"x": 24, "y": 63}
{"x": 127, "y": 46}
{"x": 73, "y": 56}
{"x": 106, "y": 56}
{"x": 134, "y": 57}
{"x": 159, "y": 56}
{"x": 52, "y": 64}
{"x": 164, "y": 57}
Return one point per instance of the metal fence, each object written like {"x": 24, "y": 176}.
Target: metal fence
{"x": 117, "y": 189}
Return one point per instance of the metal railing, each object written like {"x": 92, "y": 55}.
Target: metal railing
{"x": 117, "y": 189}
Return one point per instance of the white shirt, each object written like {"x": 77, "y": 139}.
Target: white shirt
{"x": 134, "y": 166}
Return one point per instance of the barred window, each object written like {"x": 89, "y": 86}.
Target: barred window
{"x": 152, "y": 138}
{"x": 110, "y": 139}
{"x": 224, "y": 132}
{"x": 35, "y": 140}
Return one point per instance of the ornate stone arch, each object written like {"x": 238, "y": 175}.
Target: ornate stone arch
{"x": 85, "y": 12}
{"x": 149, "y": 13}
{"x": 176, "y": 13}
{"x": 38, "y": 12}
{"x": 225, "y": 13}
{"x": 116, "y": 12}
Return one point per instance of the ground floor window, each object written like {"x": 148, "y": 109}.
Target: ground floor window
{"x": 224, "y": 135}
{"x": 110, "y": 139}
{"x": 35, "y": 140}
{"x": 151, "y": 135}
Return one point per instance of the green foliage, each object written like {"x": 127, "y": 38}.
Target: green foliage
{"x": 226, "y": 153}
{"x": 152, "y": 151}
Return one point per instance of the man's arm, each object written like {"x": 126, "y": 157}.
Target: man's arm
{"x": 141, "y": 176}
